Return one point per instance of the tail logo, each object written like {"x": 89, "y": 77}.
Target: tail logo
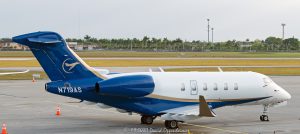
{"x": 69, "y": 64}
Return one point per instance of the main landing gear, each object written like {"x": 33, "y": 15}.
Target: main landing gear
{"x": 148, "y": 120}
{"x": 171, "y": 124}
{"x": 264, "y": 116}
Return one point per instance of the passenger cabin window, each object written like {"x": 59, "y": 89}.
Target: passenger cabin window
{"x": 182, "y": 87}
{"x": 215, "y": 86}
{"x": 236, "y": 87}
{"x": 193, "y": 86}
{"x": 204, "y": 86}
{"x": 225, "y": 86}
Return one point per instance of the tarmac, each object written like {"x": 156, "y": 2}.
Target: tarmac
{"x": 26, "y": 108}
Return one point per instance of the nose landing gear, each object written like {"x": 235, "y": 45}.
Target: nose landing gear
{"x": 264, "y": 116}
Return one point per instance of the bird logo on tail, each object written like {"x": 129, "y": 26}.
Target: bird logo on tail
{"x": 68, "y": 65}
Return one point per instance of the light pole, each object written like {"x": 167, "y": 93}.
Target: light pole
{"x": 207, "y": 30}
{"x": 283, "y": 25}
{"x": 212, "y": 35}
{"x": 130, "y": 44}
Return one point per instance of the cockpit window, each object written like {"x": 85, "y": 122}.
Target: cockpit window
{"x": 267, "y": 81}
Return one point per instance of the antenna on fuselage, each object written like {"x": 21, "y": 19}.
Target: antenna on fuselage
{"x": 220, "y": 69}
{"x": 160, "y": 69}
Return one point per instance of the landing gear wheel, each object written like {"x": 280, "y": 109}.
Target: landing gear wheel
{"x": 264, "y": 118}
{"x": 171, "y": 124}
{"x": 147, "y": 120}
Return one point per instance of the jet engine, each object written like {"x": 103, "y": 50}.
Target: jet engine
{"x": 126, "y": 86}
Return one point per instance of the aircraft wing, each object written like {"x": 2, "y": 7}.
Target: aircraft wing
{"x": 189, "y": 112}
{"x": 8, "y": 73}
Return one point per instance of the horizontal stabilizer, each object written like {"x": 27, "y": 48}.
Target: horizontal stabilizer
{"x": 204, "y": 109}
{"x": 32, "y": 39}
{"x": 44, "y": 40}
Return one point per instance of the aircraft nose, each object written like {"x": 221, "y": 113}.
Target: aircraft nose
{"x": 285, "y": 95}
{"x": 282, "y": 94}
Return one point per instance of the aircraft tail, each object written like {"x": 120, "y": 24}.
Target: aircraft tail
{"x": 56, "y": 58}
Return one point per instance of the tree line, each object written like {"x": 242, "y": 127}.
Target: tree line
{"x": 272, "y": 44}
{"x": 165, "y": 44}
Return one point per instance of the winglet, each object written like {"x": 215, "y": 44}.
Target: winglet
{"x": 204, "y": 109}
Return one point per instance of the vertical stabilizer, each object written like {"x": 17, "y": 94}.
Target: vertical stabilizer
{"x": 56, "y": 58}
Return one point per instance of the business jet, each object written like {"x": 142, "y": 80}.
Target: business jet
{"x": 171, "y": 96}
{"x": 10, "y": 73}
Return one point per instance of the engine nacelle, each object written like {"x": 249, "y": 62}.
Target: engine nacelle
{"x": 126, "y": 86}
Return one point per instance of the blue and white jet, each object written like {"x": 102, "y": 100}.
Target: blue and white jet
{"x": 172, "y": 96}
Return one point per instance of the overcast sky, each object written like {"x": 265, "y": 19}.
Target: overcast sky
{"x": 186, "y": 19}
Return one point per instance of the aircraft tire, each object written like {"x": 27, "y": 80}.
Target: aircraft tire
{"x": 147, "y": 120}
{"x": 264, "y": 118}
{"x": 171, "y": 124}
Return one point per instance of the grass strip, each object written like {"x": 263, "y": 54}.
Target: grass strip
{"x": 162, "y": 62}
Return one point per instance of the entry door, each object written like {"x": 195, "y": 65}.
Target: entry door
{"x": 194, "y": 87}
